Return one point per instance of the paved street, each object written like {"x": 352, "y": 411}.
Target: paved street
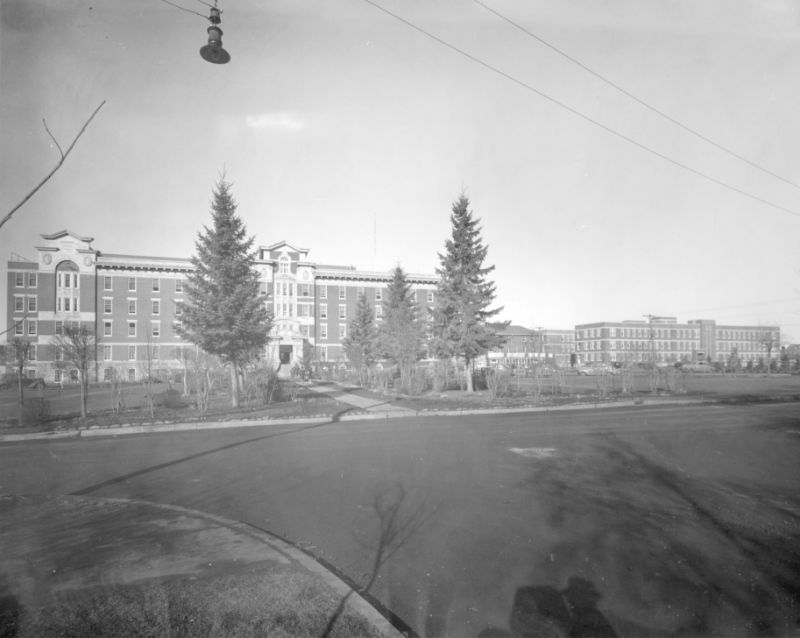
{"x": 635, "y": 521}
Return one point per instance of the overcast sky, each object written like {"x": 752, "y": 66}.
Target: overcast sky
{"x": 334, "y": 119}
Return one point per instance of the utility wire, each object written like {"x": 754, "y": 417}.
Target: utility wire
{"x": 578, "y": 113}
{"x": 633, "y": 97}
{"x": 184, "y": 9}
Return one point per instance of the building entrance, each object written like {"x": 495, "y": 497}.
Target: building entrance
{"x": 285, "y": 354}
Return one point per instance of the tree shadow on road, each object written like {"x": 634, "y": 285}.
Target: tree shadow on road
{"x": 673, "y": 555}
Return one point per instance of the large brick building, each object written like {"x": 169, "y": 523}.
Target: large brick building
{"x": 135, "y": 301}
{"x": 670, "y": 341}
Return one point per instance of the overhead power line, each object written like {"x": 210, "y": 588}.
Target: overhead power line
{"x": 743, "y": 305}
{"x": 633, "y": 97}
{"x": 578, "y": 113}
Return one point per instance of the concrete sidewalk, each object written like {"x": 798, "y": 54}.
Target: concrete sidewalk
{"x": 370, "y": 405}
{"x": 57, "y": 549}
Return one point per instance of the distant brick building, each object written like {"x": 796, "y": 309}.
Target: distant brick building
{"x": 133, "y": 300}
{"x": 525, "y": 347}
{"x": 670, "y": 341}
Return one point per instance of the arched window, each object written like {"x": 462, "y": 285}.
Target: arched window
{"x": 283, "y": 265}
{"x": 67, "y": 288}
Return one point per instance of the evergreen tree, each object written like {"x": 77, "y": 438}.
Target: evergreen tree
{"x": 401, "y": 333}
{"x": 359, "y": 345}
{"x": 225, "y": 316}
{"x": 461, "y": 319}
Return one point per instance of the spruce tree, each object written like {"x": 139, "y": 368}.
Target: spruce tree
{"x": 461, "y": 318}
{"x": 359, "y": 345}
{"x": 225, "y": 316}
{"x": 401, "y": 334}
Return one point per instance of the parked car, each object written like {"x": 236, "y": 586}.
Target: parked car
{"x": 698, "y": 366}
{"x": 10, "y": 380}
{"x": 594, "y": 369}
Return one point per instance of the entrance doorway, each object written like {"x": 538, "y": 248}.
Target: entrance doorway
{"x": 285, "y": 354}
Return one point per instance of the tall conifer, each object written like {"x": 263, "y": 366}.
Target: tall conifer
{"x": 401, "y": 334}
{"x": 225, "y": 316}
{"x": 359, "y": 345}
{"x": 462, "y": 313}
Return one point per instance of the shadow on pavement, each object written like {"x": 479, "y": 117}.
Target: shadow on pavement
{"x": 676, "y": 555}
{"x": 547, "y": 611}
{"x": 154, "y": 468}
{"x": 11, "y": 609}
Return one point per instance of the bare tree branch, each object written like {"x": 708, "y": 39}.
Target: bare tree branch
{"x": 53, "y": 138}
{"x": 63, "y": 157}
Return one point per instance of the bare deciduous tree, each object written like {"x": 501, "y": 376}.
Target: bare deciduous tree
{"x": 76, "y": 347}
{"x": 148, "y": 360}
{"x": 51, "y": 173}
{"x": 770, "y": 338}
{"x": 18, "y": 354}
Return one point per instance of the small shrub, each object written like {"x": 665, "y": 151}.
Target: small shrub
{"x": 170, "y": 398}
{"x": 36, "y": 410}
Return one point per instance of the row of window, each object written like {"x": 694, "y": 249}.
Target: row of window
{"x": 20, "y": 305}
{"x": 20, "y": 278}
{"x": 108, "y": 283}
{"x": 155, "y": 306}
{"x": 639, "y": 333}
{"x": 323, "y": 293}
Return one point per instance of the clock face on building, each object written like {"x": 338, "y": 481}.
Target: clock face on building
{"x": 305, "y": 275}
{"x": 47, "y": 259}
{"x": 87, "y": 261}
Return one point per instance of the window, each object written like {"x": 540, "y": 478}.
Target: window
{"x": 414, "y": 296}
{"x": 131, "y": 328}
{"x": 131, "y": 306}
{"x": 31, "y": 280}
{"x": 342, "y": 331}
{"x": 19, "y": 279}
{"x": 156, "y": 307}
{"x": 58, "y": 354}
{"x": 19, "y": 304}
{"x": 360, "y": 290}
{"x": 262, "y": 290}
{"x": 57, "y": 377}
{"x": 106, "y": 282}
{"x": 291, "y": 290}
{"x": 178, "y": 308}
{"x": 156, "y": 284}
{"x": 32, "y": 328}
{"x": 306, "y": 310}
{"x": 107, "y": 374}
{"x": 31, "y": 304}
{"x": 323, "y": 353}
{"x": 378, "y": 294}
{"x": 323, "y": 331}
{"x": 132, "y": 284}
{"x": 323, "y": 292}
{"x": 304, "y": 331}
{"x": 305, "y": 290}
{"x": 106, "y": 328}
{"x": 323, "y": 311}
{"x": 106, "y": 305}
{"x": 291, "y": 310}
{"x": 59, "y": 327}
{"x": 342, "y": 312}
{"x": 156, "y": 353}
{"x": 430, "y": 296}
{"x": 32, "y": 352}
{"x": 131, "y": 374}
{"x": 106, "y": 353}
{"x": 156, "y": 328}
{"x": 342, "y": 292}
{"x": 177, "y": 326}
{"x": 283, "y": 265}
{"x": 378, "y": 312}
{"x": 131, "y": 353}
{"x": 179, "y": 285}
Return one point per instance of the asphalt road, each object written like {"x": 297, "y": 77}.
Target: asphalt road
{"x": 640, "y": 521}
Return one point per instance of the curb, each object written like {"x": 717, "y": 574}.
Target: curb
{"x": 375, "y": 416}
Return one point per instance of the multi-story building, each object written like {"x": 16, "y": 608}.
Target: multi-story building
{"x": 134, "y": 302}
{"x": 666, "y": 340}
{"x": 524, "y": 347}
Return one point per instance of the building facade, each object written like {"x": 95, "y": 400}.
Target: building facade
{"x": 134, "y": 303}
{"x": 525, "y": 347}
{"x": 665, "y": 340}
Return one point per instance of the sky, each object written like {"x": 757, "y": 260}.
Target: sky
{"x": 348, "y": 132}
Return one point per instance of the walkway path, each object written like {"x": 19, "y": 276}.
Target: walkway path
{"x": 370, "y": 405}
